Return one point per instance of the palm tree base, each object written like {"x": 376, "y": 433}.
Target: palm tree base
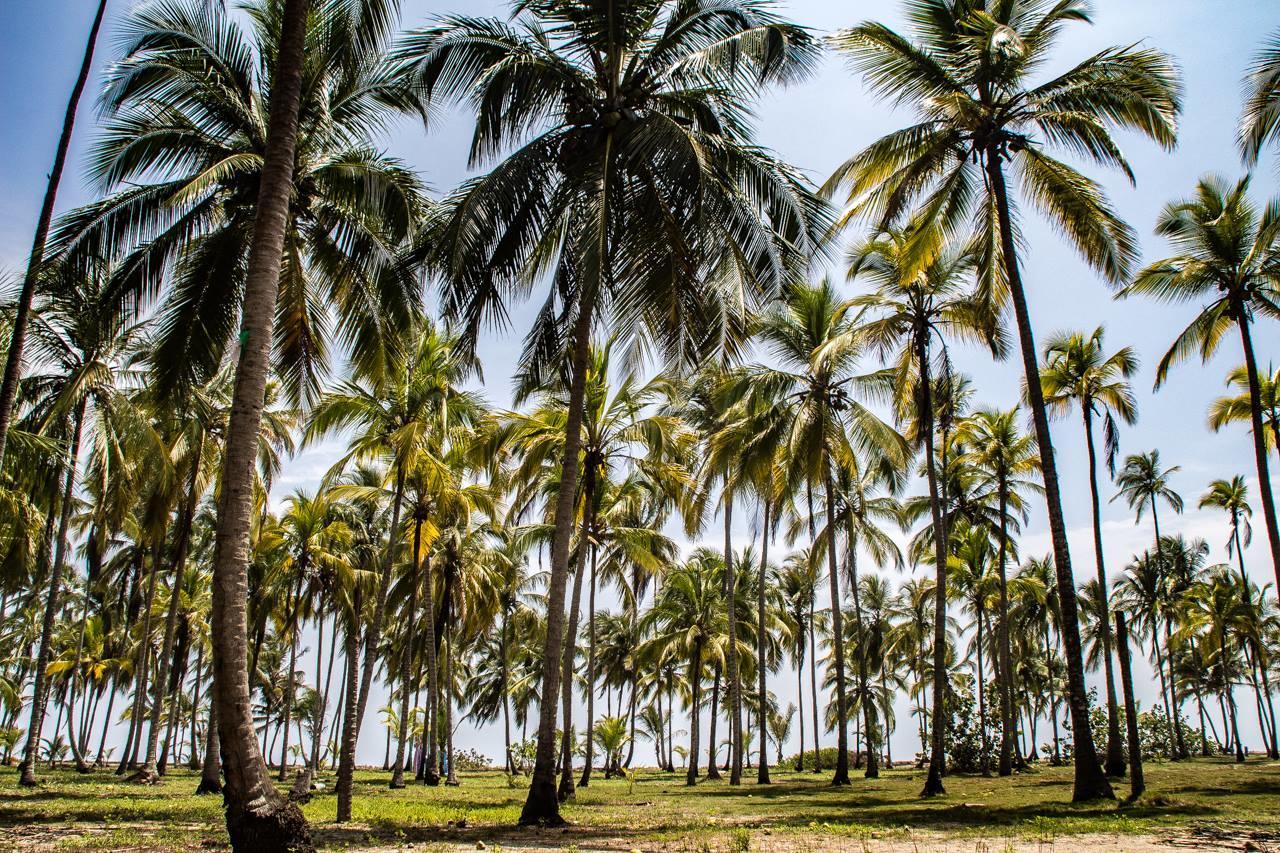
{"x": 273, "y": 824}
{"x": 209, "y": 786}
{"x": 145, "y": 776}
{"x": 542, "y": 807}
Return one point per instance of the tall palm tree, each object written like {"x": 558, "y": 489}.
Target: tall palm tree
{"x": 1143, "y": 483}
{"x": 258, "y": 818}
{"x": 1238, "y": 408}
{"x": 1006, "y": 459}
{"x": 814, "y": 339}
{"x": 1232, "y": 497}
{"x": 798, "y": 584}
{"x": 910, "y": 308}
{"x": 35, "y": 261}
{"x": 1077, "y": 371}
{"x": 618, "y": 149}
{"x": 968, "y": 73}
{"x": 1228, "y": 256}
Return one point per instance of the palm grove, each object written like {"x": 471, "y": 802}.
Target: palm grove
{"x": 253, "y": 279}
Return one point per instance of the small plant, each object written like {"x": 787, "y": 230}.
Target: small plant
{"x": 740, "y": 841}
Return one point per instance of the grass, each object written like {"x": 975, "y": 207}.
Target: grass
{"x": 799, "y": 811}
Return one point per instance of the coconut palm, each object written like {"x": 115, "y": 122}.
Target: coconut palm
{"x": 35, "y": 261}
{"x": 1005, "y": 461}
{"x": 906, "y": 312}
{"x": 1228, "y": 256}
{"x": 618, "y": 150}
{"x": 798, "y": 584}
{"x": 969, "y": 74}
{"x": 1238, "y": 408}
{"x": 815, "y": 340}
{"x": 1260, "y": 120}
{"x": 1077, "y": 371}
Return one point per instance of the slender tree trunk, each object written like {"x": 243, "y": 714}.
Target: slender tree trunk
{"x": 1008, "y": 731}
{"x": 446, "y": 695}
{"x": 695, "y": 713}
{"x": 22, "y": 316}
{"x": 1175, "y": 704}
{"x": 591, "y": 677}
{"x": 258, "y": 817}
{"x": 106, "y": 727}
{"x": 937, "y": 753}
{"x": 148, "y": 773}
{"x": 762, "y": 769}
{"x": 1090, "y": 779}
{"x": 350, "y": 691}
{"x": 542, "y": 805}
{"x": 982, "y": 706}
{"x": 1259, "y": 437}
{"x": 40, "y": 689}
{"x": 570, "y": 653}
{"x": 813, "y": 683}
{"x": 406, "y": 661}
{"x": 1164, "y": 687}
{"x": 799, "y": 766}
{"x": 841, "y": 776}
{"x": 1136, "y": 782}
{"x": 503, "y": 645}
{"x": 431, "y": 775}
{"x": 868, "y": 703}
{"x": 1114, "y": 764}
{"x": 291, "y": 674}
{"x": 731, "y": 658}
{"x": 713, "y": 767}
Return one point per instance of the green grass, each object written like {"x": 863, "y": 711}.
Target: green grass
{"x": 99, "y": 811}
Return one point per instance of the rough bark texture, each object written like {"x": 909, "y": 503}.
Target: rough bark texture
{"x": 211, "y": 768}
{"x": 1259, "y": 441}
{"x": 762, "y": 769}
{"x": 406, "y": 661}
{"x": 1090, "y": 780}
{"x": 731, "y": 658}
{"x": 258, "y": 817}
{"x": 22, "y": 316}
{"x": 1008, "y": 731}
{"x": 351, "y": 687}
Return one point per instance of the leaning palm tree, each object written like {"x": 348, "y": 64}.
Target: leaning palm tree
{"x": 1077, "y": 371}
{"x": 35, "y": 261}
{"x": 1228, "y": 256}
{"x": 621, "y": 163}
{"x": 969, "y": 76}
{"x": 908, "y": 311}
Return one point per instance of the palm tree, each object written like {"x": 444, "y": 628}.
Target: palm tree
{"x": 974, "y": 584}
{"x": 627, "y": 160}
{"x": 908, "y": 309}
{"x": 1232, "y": 496}
{"x": 258, "y": 818}
{"x": 815, "y": 341}
{"x": 968, "y": 75}
{"x": 798, "y": 584}
{"x": 1005, "y": 461}
{"x": 1077, "y": 371}
{"x": 1142, "y": 484}
{"x": 88, "y": 356}
{"x": 1239, "y": 408}
{"x": 1260, "y": 120}
{"x": 1228, "y": 254}
{"x": 35, "y": 261}
{"x": 1214, "y": 612}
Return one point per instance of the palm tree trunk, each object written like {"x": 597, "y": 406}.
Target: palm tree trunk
{"x": 148, "y": 774}
{"x": 351, "y": 687}
{"x": 290, "y": 676}
{"x": 40, "y": 689}
{"x": 1259, "y": 437}
{"x": 813, "y": 683}
{"x": 1090, "y": 779}
{"x": 713, "y": 767}
{"x": 542, "y": 806}
{"x": 1136, "y": 782}
{"x": 22, "y": 315}
{"x": 506, "y": 709}
{"x": 982, "y": 705}
{"x": 570, "y": 652}
{"x": 446, "y": 695}
{"x": 734, "y": 686}
{"x": 762, "y": 769}
{"x": 1114, "y": 764}
{"x": 406, "y": 661}
{"x": 258, "y": 818}
{"x": 1164, "y": 686}
{"x": 591, "y": 676}
{"x": 211, "y": 767}
{"x": 799, "y": 766}
{"x": 106, "y": 726}
{"x": 937, "y": 754}
{"x": 1009, "y": 732}
{"x": 695, "y": 713}
{"x": 868, "y": 704}
{"x": 1180, "y": 751}
{"x": 841, "y": 776}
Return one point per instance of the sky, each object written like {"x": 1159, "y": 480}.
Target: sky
{"x": 816, "y": 125}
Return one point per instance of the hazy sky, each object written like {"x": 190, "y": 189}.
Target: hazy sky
{"x": 816, "y": 125}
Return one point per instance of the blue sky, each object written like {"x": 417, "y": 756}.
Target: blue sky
{"x": 816, "y": 125}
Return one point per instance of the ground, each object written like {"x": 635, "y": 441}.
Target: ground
{"x": 1197, "y": 805}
